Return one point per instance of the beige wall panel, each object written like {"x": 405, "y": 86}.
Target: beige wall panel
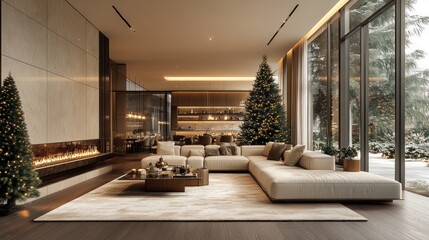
{"x": 92, "y": 40}
{"x": 22, "y": 38}
{"x": 31, "y": 83}
{"x": 35, "y": 9}
{"x": 66, "y": 109}
{"x": 92, "y": 112}
{"x": 65, "y": 59}
{"x": 67, "y": 22}
{"x": 92, "y": 76}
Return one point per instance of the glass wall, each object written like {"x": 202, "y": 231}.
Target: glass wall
{"x": 323, "y": 78}
{"x": 369, "y": 82}
{"x": 417, "y": 97}
{"x": 335, "y": 83}
{"x": 381, "y": 93}
{"x": 142, "y": 118}
{"x": 317, "y": 56}
{"x": 354, "y": 78}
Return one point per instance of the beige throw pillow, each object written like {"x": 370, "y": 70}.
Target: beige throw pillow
{"x": 292, "y": 157}
{"x": 165, "y": 148}
{"x": 267, "y": 149}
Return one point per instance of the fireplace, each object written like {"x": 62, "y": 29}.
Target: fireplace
{"x": 53, "y": 158}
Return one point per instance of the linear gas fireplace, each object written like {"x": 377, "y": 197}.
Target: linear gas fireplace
{"x": 53, "y": 158}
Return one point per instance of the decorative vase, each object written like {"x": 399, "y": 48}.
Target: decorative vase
{"x": 161, "y": 164}
{"x": 183, "y": 170}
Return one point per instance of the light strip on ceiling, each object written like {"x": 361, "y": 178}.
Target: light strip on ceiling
{"x": 206, "y": 79}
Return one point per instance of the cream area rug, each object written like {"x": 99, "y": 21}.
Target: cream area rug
{"x": 228, "y": 197}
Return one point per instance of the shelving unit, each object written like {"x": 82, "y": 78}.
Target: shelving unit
{"x": 215, "y": 119}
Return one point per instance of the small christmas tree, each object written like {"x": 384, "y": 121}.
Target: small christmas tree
{"x": 265, "y": 118}
{"x": 18, "y": 180}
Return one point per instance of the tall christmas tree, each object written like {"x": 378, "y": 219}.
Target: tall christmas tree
{"x": 18, "y": 180}
{"x": 265, "y": 118}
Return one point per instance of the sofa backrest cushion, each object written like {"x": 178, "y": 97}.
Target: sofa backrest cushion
{"x": 186, "y": 149}
{"x": 276, "y": 151}
{"x": 292, "y": 157}
{"x": 165, "y": 148}
{"x": 252, "y": 150}
{"x": 195, "y": 152}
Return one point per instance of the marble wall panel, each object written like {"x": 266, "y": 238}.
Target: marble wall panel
{"x": 22, "y": 38}
{"x": 92, "y": 112}
{"x": 66, "y": 109}
{"x": 92, "y": 75}
{"x": 67, "y": 22}
{"x": 35, "y": 9}
{"x": 92, "y": 36}
{"x": 32, "y": 85}
{"x": 65, "y": 59}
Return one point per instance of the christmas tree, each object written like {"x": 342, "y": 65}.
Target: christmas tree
{"x": 18, "y": 180}
{"x": 265, "y": 118}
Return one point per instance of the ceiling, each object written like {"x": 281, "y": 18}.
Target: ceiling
{"x": 172, "y": 37}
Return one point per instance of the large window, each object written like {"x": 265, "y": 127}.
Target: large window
{"x": 381, "y": 93}
{"x": 417, "y": 97}
{"x": 318, "y": 98}
{"x": 323, "y": 75}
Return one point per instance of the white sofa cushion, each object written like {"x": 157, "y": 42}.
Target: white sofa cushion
{"x": 195, "y": 162}
{"x": 226, "y": 163}
{"x": 316, "y": 161}
{"x": 186, "y": 149}
{"x": 252, "y": 150}
{"x": 165, "y": 148}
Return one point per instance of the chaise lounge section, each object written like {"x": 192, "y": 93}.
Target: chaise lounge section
{"x": 315, "y": 180}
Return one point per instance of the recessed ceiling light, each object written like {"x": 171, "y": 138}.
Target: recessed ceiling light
{"x": 210, "y": 79}
{"x": 210, "y": 38}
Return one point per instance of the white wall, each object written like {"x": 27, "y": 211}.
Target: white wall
{"x": 51, "y": 50}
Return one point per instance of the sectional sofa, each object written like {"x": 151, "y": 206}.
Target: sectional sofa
{"x": 313, "y": 179}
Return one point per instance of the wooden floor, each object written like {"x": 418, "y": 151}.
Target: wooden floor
{"x": 407, "y": 219}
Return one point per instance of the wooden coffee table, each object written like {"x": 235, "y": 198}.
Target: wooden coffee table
{"x": 169, "y": 183}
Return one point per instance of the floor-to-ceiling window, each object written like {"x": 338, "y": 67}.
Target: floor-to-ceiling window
{"x": 323, "y": 76}
{"x": 417, "y": 96}
{"x": 317, "y": 56}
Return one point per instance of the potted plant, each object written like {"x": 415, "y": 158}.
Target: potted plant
{"x": 346, "y": 156}
{"x": 330, "y": 150}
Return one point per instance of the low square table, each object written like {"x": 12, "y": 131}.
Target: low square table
{"x": 166, "y": 182}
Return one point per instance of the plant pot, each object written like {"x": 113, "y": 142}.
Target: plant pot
{"x": 7, "y": 208}
{"x": 352, "y": 165}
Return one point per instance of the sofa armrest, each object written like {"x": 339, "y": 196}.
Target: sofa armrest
{"x": 316, "y": 161}
{"x": 252, "y": 150}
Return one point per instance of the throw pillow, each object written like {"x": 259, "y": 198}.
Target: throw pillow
{"x": 233, "y": 147}
{"x": 165, "y": 148}
{"x": 195, "y": 152}
{"x": 225, "y": 150}
{"x": 292, "y": 157}
{"x": 276, "y": 151}
{"x": 267, "y": 149}
{"x": 288, "y": 146}
{"x": 212, "y": 152}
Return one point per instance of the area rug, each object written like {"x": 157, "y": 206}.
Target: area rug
{"x": 228, "y": 197}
